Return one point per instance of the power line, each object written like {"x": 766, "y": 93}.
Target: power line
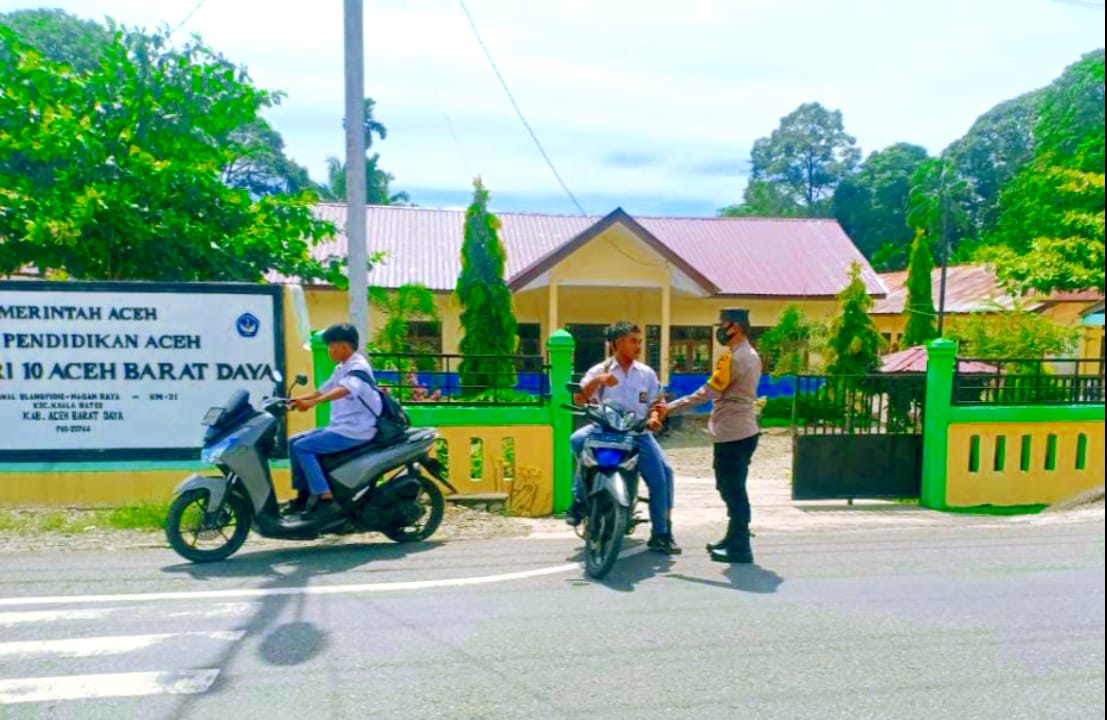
{"x": 441, "y": 102}
{"x": 188, "y": 17}
{"x": 533, "y": 136}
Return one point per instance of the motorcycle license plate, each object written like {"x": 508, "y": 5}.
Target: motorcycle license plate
{"x": 612, "y": 439}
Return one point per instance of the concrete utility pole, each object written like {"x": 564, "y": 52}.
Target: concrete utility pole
{"x": 944, "y": 209}
{"x": 356, "y": 211}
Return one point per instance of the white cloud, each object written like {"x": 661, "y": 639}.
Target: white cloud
{"x": 692, "y": 84}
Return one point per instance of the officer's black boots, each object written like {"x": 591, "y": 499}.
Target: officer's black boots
{"x": 737, "y": 549}
{"x": 719, "y": 544}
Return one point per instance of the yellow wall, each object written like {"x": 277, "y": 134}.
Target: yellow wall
{"x": 528, "y": 482}
{"x": 586, "y": 306}
{"x": 1012, "y": 485}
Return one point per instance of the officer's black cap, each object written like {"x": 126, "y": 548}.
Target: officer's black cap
{"x": 738, "y": 316}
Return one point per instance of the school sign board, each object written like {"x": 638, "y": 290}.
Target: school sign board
{"x": 101, "y": 371}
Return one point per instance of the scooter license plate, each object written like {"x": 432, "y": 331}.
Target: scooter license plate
{"x": 612, "y": 439}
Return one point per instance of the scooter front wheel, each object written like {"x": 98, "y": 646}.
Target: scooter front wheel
{"x": 607, "y": 526}
{"x": 201, "y": 536}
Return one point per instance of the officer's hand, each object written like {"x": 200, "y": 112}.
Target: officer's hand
{"x": 654, "y": 423}
{"x": 609, "y": 379}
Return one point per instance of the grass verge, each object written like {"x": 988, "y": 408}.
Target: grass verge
{"x": 69, "y": 521}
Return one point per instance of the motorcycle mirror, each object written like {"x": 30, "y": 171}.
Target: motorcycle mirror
{"x": 300, "y": 380}
{"x": 276, "y": 376}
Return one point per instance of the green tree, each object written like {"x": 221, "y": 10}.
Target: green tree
{"x": 488, "y": 319}
{"x": 997, "y": 146}
{"x": 377, "y": 183}
{"x": 763, "y": 199}
{"x": 116, "y": 173}
{"x": 261, "y": 165}
{"x": 855, "y": 343}
{"x": 937, "y": 208}
{"x": 400, "y": 308}
{"x": 920, "y": 294}
{"x": 871, "y": 205}
{"x": 786, "y": 347}
{"x": 61, "y": 37}
{"x": 804, "y": 160}
{"x": 1012, "y": 334}
{"x": 1051, "y": 228}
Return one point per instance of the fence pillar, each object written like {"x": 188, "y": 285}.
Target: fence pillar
{"x": 941, "y": 359}
{"x": 561, "y": 346}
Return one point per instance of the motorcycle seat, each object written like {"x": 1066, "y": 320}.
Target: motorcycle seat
{"x": 333, "y": 460}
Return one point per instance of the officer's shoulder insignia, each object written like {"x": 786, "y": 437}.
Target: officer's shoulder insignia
{"x": 720, "y": 379}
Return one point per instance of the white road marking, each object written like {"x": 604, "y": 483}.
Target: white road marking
{"x": 7, "y": 619}
{"x": 304, "y": 590}
{"x": 83, "y": 687}
{"x": 107, "y": 645}
{"x": 27, "y": 617}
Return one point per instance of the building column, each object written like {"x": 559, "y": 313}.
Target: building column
{"x": 552, "y": 325}
{"x": 666, "y": 321}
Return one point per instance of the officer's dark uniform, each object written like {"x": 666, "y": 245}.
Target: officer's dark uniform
{"x": 734, "y": 427}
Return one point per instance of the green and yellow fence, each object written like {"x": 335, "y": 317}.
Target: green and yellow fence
{"x": 520, "y": 450}
{"x": 1004, "y": 455}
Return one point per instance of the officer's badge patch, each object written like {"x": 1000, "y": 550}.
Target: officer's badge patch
{"x": 720, "y": 379}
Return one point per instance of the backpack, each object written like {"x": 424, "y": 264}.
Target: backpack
{"x": 392, "y": 421}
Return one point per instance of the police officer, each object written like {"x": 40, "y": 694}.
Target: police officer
{"x": 633, "y": 386}
{"x": 734, "y": 428}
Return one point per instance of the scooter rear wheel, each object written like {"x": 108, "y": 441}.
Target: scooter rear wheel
{"x": 201, "y": 536}
{"x": 433, "y": 507}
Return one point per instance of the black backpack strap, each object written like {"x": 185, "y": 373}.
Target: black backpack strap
{"x": 368, "y": 380}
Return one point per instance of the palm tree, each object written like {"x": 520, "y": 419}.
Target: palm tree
{"x": 377, "y": 181}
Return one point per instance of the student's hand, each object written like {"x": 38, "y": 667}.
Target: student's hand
{"x": 660, "y": 408}
{"x": 303, "y": 404}
{"x": 654, "y": 423}
{"x": 609, "y": 379}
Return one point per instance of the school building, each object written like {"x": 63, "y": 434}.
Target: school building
{"x": 973, "y": 289}
{"x": 669, "y": 275}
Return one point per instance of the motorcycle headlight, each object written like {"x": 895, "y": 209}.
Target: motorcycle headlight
{"x": 214, "y": 453}
{"x": 608, "y": 457}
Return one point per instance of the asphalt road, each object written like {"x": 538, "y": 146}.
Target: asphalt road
{"x": 986, "y": 622}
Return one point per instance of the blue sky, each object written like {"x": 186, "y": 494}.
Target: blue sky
{"x": 641, "y": 103}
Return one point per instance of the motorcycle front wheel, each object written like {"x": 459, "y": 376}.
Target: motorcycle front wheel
{"x": 603, "y": 537}
{"x": 201, "y": 536}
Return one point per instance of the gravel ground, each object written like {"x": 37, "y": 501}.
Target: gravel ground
{"x": 460, "y": 523}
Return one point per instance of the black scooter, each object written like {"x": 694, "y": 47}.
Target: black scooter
{"x": 379, "y": 488}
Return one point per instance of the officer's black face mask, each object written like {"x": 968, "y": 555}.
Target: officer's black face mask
{"x": 722, "y": 334}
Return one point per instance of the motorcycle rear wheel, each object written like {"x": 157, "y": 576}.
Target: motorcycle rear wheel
{"x": 607, "y": 526}
{"x": 189, "y": 523}
{"x": 433, "y": 506}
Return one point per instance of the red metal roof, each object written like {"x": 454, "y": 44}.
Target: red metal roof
{"x": 913, "y": 360}
{"x": 969, "y": 288}
{"x": 740, "y": 256}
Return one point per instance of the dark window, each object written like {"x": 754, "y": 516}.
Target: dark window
{"x": 590, "y": 346}
{"x": 690, "y": 349}
{"x": 425, "y": 337}
{"x": 653, "y": 346}
{"x": 530, "y": 345}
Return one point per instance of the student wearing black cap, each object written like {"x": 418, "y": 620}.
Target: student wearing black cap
{"x": 733, "y": 426}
